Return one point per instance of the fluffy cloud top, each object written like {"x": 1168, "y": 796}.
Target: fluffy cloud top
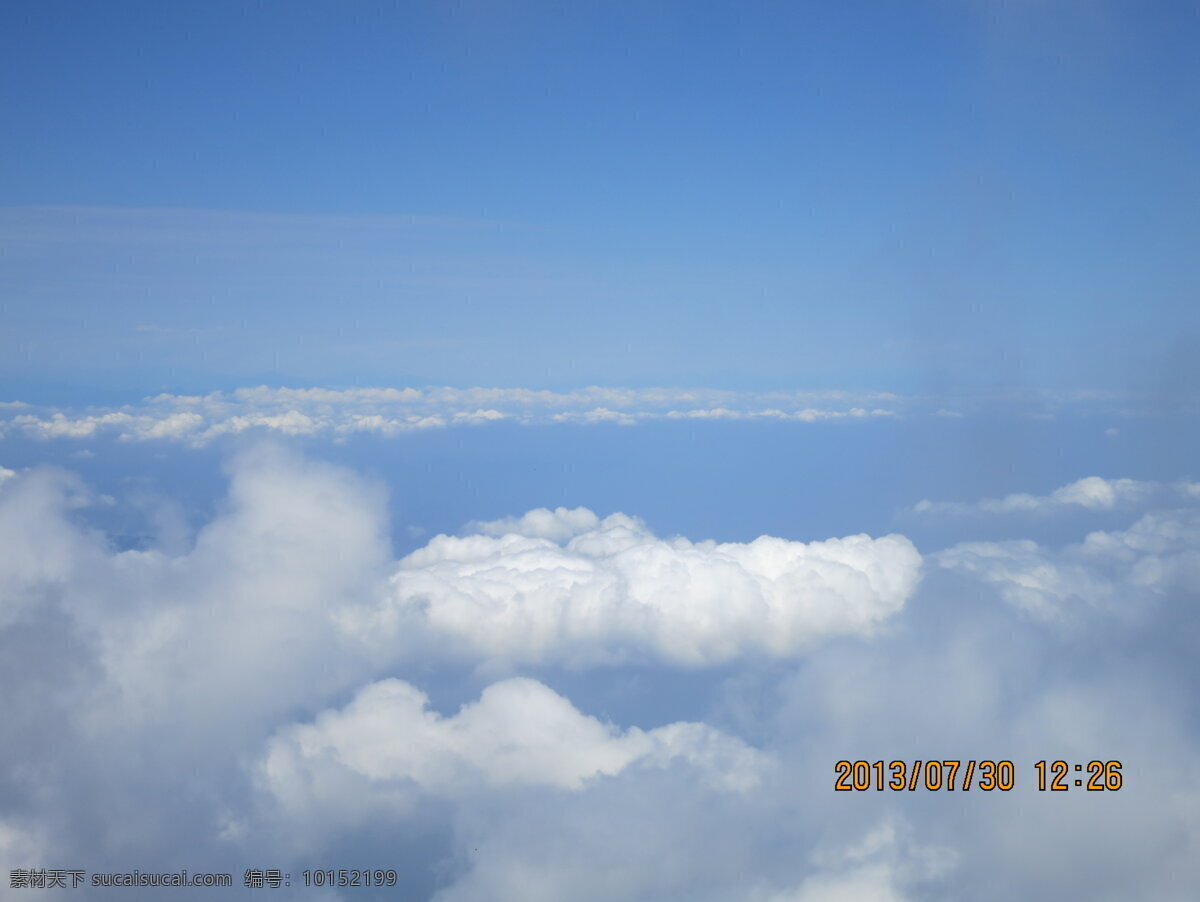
{"x": 557, "y": 525}
{"x": 568, "y": 587}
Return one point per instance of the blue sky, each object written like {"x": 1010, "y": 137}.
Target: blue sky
{"x": 894, "y": 196}
{"x": 527, "y": 445}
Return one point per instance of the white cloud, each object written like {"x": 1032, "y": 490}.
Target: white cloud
{"x": 41, "y": 552}
{"x": 296, "y": 569}
{"x": 343, "y": 413}
{"x": 804, "y": 415}
{"x": 1116, "y": 572}
{"x": 59, "y": 425}
{"x": 557, "y": 525}
{"x": 340, "y": 413}
{"x": 1091, "y": 493}
{"x": 876, "y": 868}
{"x": 873, "y": 870}
{"x": 387, "y": 744}
{"x": 869, "y": 883}
{"x": 244, "y": 611}
{"x": 146, "y": 694}
{"x": 614, "y": 591}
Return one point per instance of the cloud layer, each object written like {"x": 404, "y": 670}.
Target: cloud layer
{"x": 200, "y": 419}
{"x": 343, "y": 413}
{"x": 492, "y": 714}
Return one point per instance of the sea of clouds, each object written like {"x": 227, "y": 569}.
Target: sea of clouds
{"x": 264, "y": 694}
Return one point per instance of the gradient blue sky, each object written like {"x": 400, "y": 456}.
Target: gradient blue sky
{"x": 914, "y": 196}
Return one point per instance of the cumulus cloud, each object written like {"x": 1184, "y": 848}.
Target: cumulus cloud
{"x": 569, "y": 587}
{"x": 298, "y": 561}
{"x": 386, "y": 744}
{"x": 342, "y": 414}
{"x": 557, "y": 525}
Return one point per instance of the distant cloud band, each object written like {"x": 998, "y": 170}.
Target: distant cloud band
{"x": 343, "y": 413}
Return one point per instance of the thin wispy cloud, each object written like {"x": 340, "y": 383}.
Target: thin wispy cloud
{"x": 1092, "y": 493}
